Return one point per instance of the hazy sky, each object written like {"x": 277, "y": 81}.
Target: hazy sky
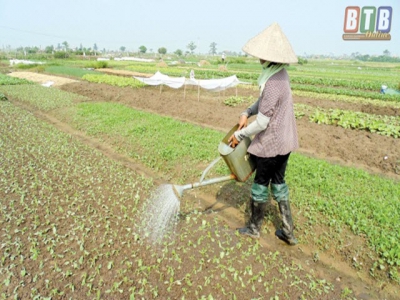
{"x": 312, "y": 26}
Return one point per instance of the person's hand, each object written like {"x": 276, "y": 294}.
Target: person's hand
{"x": 233, "y": 142}
{"x": 242, "y": 121}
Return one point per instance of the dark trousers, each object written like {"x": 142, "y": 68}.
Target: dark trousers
{"x": 270, "y": 169}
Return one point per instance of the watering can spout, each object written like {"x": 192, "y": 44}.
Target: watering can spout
{"x": 179, "y": 189}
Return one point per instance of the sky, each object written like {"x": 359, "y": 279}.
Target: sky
{"x": 312, "y": 26}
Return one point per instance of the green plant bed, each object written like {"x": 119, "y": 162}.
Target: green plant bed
{"x": 345, "y": 92}
{"x": 8, "y": 80}
{"x": 158, "y": 142}
{"x": 332, "y": 190}
{"x": 40, "y": 97}
{"x": 113, "y": 80}
{"x": 384, "y": 125}
{"x": 345, "y": 98}
{"x": 367, "y": 204}
{"x": 75, "y": 72}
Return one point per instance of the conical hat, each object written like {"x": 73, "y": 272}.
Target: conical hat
{"x": 271, "y": 45}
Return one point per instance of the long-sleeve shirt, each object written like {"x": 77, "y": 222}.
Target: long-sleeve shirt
{"x": 276, "y": 102}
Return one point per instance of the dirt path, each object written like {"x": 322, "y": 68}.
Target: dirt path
{"x": 43, "y": 78}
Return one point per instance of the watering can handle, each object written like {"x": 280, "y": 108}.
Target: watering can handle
{"x": 208, "y": 168}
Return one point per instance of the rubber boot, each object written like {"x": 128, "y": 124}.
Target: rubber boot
{"x": 256, "y": 220}
{"x": 286, "y": 233}
{"x": 258, "y": 204}
{"x": 280, "y": 192}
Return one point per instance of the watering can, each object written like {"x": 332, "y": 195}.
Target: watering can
{"x": 237, "y": 159}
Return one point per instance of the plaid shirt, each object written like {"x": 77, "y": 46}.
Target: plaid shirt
{"x": 276, "y": 102}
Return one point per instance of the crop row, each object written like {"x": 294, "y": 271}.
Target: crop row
{"x": 8, "y": 80}
{"x": 387, "y": 76}
{"x": 173, "y": 149}
{"x": 113, "y": 80}
{"x": 383, "y": 125}
{"x": 319, "y": 84}
{"x": 76, "y": 72}
{"x": 342, "y": 83}
{"x": 40, "y": 97}
{"x": 355, "y": 88}
{"x": 345, "y": 92}
{"x": 346, "y": 98}
{"x": 328, "y": 189}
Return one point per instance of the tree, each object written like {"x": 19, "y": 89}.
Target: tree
{"x": 213, "y": 48}
{"x": 49, "y": 49}
{"x": 191, "y": 46}
{"x": 142, "y": 49}
{"x": 122, "y": 48}
{"x": 178, "y": 52}
{"x": 65, "y": 44}
{"x": 162, "y": 50}
{"x": 386, "y": 52}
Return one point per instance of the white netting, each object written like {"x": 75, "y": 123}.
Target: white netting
{"x": 214, "y": 85}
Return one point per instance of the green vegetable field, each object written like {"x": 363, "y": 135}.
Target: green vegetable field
{"x": 79, "y": 164}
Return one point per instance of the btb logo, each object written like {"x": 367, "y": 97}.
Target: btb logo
{"x": 367, "y": 23}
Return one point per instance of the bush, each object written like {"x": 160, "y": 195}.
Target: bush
{"x": 96, "y": 65}
{"x": 61, "y": 54}
{"x": 302, "y": 61}
{"x": 101, "y": 64}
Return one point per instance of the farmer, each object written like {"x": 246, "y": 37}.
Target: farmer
{"x": 274, "y": 129}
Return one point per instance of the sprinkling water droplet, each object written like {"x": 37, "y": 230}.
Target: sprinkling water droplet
{"x": 161, "y": 214}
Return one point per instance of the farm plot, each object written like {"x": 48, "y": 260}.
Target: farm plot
{"x": 359, "y": 148}
{"x": 70, "y": 228}
{"x": 323, "y": 266}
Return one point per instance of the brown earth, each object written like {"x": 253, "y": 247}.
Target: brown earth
{"x": 368, "y": 151}
{"x": 372, "y": 152}
{"x": 358, "y": 149}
